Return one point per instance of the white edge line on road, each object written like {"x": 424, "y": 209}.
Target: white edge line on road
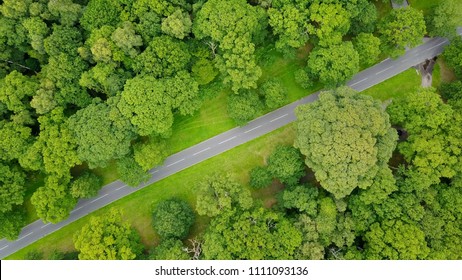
{"x": 175, "y": 162}
{"x": 24, "y": 236}
{"x": 44, "y": 226}
{"x": 206, "y": 149}
{"x": 98, "y": 198}
{"x": 120, "y": 188}
{"x": 283, "y": 116}
{"x": 4, "y": 247}
{"x": 383, "y": 70}
{"x": 229, "y": 139}
{"x": 359, "y": 82}
{"x": 257, "y": 127}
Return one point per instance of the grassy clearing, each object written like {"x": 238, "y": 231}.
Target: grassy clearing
{"x": 425, "y": 5}
{"x": 395, "y": 86}
{"x": 138, "y": 206}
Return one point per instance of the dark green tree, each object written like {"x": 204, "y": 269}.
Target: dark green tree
{"x": 173, "y": 218}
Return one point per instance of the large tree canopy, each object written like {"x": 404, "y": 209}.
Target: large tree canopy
{"x": 346, "y": 138}
{"x": 256, "y": 234}
{"x": 108, "y": 237}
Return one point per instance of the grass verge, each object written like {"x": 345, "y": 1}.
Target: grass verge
{"x": 138, "y": 206}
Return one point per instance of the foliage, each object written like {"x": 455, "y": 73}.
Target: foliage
{"x": 445, "y": 19}
{"x": 151, "y": 153}
{"x": 130, "y": 172}
{"x": 244, "y": 107}
{"x": 86, "y": 185}
{"x": 169, "y": 249}
{"x": 260, "y": 177}
{"x": 286, "y": 164}
{"x": 177, "y": 25}
{"x": 12, "y": 190}
{"x": 453, "y": 56}
{"x": 108, "y": 238}
{"x": 172, "y": 218}
{"x": 254, "y": 234}
{"x": 434, "y": 141}
{"x": 275, "y": 94}
{"x": 335, "y": 64}
{"x": 401, "y": 28}
{"x": 346, "y": 138}
{"x": 218, "y": 193}
{"x": 368, "y": 48}
{"x": 12, "y": 223}
{"x": 101, "y": 132}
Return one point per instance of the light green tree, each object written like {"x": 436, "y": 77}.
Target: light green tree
{"x": 346, "y": 138}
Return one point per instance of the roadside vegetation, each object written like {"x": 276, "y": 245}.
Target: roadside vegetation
{"x": 96, "y": 90}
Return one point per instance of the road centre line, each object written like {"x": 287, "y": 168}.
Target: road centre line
{"x": 98, "y": 198}
{"x": 206, "y": 149}
{"x": 25, "y": 236}
{"x": 229, "y": 139}
{"x": 257, "y": 127}
{"x": 359, "y": 82}
{"x": 383, "y": 70}
{"x": 78, "y": 208}
{"x": 283, "y": 116}
{"x": 437, "y": 45}
{"x": 4, "y": 247}
{"x": 120, "y": 188}
{"x": 44, "y": 226}
{"x": 175, "y": 162}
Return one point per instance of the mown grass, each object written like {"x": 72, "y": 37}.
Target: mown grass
{"x": 425, "y": 5}
{"x": 137, "y": 207}
{"x": 395, "y": 86}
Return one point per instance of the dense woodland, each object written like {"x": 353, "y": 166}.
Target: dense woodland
{"x": 88, "y": 83}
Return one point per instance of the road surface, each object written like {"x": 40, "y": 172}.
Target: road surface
{"x": 223, "y": 142}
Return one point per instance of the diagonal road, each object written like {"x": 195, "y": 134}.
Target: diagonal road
{"x": 223, "y": 142}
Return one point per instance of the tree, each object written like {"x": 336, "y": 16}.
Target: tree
{"x": 100, "y": 12}
{"x": 16, "y": 90}
{"x": 67, "y": 11}
{"x": 37, "y": 31}
{"x": 243, "y": 107}
{"x": 254, "y": 234}
{"x": 275, "y": 94}
{"x": 169, "y": 249}
{"x": 260, "y": 177}
{"x": 63, "y": 39}
{"x": 433, "y": 145}
{"x": 149, "y": 103}
{"x": 363, "y": 15}
{"x": 58, "y": 146}
{"x": 445, "y": 19}
{"x": 395, "y": 240}
{"x": 131, "y": 172}
{"x": 302, "y": 198}
{"x": 218, "y": 193}
{"x": 53, "y": 202}
{"x": 163, "y": 57}
{"x": 346, "y": 138}
{"x": 14, "y": 140}
{"x": 12, "y": 190}
{"x": 101, "y": 132}
{"x": 107, "y": 78}
{"x": 402, "y": 28}
{"x": 368, "y": 48}
{"x": 286, "y": 164}
{"x": 334, "y": 65}
{"x": 453, "y": 56}
{"x": 177, "y": 25}
{"x": 173, "y": 218}
{"x": 108, "y": 237}
{"x": 235, "y": 25}
{"x": 290, "y": 24}
{"x": 329, "y": 22}
{"x": 150, "y": 153}
{"x": 86, "y": 185}
{"x": 12, "y": 223}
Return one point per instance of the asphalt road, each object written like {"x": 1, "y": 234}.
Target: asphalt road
{"x": 223, "y": 142}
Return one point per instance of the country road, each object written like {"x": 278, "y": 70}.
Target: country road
{"x": 223, "y": 142}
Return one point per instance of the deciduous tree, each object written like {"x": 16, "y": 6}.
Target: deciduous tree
{"x": 173, "y": 218}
